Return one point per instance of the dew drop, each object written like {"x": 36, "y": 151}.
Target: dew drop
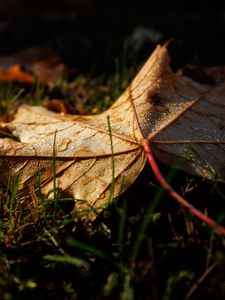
{"x": 91, "y": 189}
{"x": 41, "y": 135}
{"x": 121, "y": 157}
{"x": 2, "y": 147}
{"x": 101, "y": 173}
{"x": 63, "y": 145}
{"x": 197, "y": 130}
{"x": 101, "y": 196}
{"x": 86, "y": 180}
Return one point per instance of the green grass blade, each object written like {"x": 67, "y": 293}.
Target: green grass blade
{"x": 78, "y": 262}
{"x": 13, "y": 197}
{"x": 144, "y": 224}
{"x": 55, "y": 189}
{"x": 111, "y": 195}
{"x": 94, "y": 251}
{"x": 9, "y": 179}
{"x": 147, "y": 218}
{"x": 121, "y": 227}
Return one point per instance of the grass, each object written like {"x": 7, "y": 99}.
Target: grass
{"x": 144, "y": 246}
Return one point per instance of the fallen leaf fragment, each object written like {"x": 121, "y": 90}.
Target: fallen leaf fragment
{"x": 59, "y": 106}
{"x": 15, "y": 73}
{"x": 27, "y": 64}
{"x": 97, "y": 157}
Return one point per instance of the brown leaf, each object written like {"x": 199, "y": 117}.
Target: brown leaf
{"x": 27, "y": 57}
{"x": 15, "y": 73}
{"x": 96, "y": 157}
{"x": 45, "y": 63}
{"x": 59, "y": 106}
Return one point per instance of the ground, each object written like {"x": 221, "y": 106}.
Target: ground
{"x": 144, "y": 246}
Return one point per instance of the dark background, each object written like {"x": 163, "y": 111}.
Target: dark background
{"x": 91, "y": 33}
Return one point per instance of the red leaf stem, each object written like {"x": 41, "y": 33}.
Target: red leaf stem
{"x": 210, "y": 222}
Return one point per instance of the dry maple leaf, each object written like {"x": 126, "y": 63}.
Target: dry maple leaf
{"x": 95, "y": 157}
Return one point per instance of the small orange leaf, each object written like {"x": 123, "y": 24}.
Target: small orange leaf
{"x": 45, "y": 63}
{"x": 15, "y": 73}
